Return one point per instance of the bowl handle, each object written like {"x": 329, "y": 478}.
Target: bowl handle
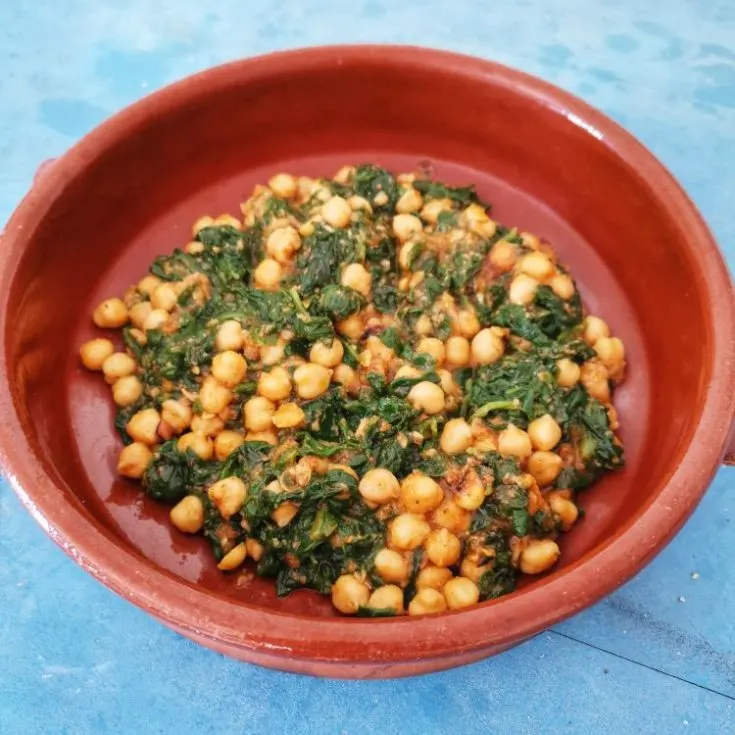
{"x": 730, "y": 447}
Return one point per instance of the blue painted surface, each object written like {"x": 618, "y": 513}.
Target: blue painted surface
{"x": 656, "y": 657}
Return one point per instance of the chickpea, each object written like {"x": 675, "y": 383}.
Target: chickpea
{"x": 407, "y": 371}
{"x": 539, "y": 555}
{"x": 503, "y": 256}
{"x": 275, "y": 385}
{"x": 442, "y": 548}
{"x": 448, "y": 384}
{"x": 379, "y": 486}
{"x": 155, "y": 319}
{"x": 433, "y": 347}
{"x": 176, "y": 414}
{"x": 255, "y": 549}
{"x": 229, "y": 368}
{"x": 530, "y": 240}
{"x": 432, "y": 209}
{"x": 352, "y": 327}
{"x": 457, "y": 351}
{"x": 564, "y": 508}
{"x": 346, "y": 376}
{"x": 522, "y": 290}
{"x": 147, "y": 284}
{"x": 349, "y": 594}
{"x": 207, "y": 424}
{"x": 537, "y": 265}
{"x": 139, "y": 312}
{"x": 487, "y": 347}
{"x": 200, "y": 224}
{"x": 544, "y": 432}
{"x": 428, "y": 397}
{"x": 611, "y": 352}
{"x": 270, "y": 437}
{"x": 408, "y": 252}
{"x": 194, "y": 247}
{"x": 268, "y": 275}
{"x": 282, "y": 243}
{"x": 427, "y": 602}
{"x": 423, "y": 326}
{"x": 197, "y": 442}
{"x": 545, "y": 467}
{"x": 139, "y": 336}
{"x": 388, "y": 597}
{"x": 328, "y": 356}
{"x": 213, "y": 396}
{"x": 143, "y": 426}
{"x": 133, "y": 460}
{"x": 461, "y": 592}
{"x": 337, "y": 212}
{"x": 228, "y": 495}
{"x": 273, "y": 354}
{"x": 117, "y": 366}
{"x": 226, "y": 442}
{"x": 467, "y": 323}
{"x": 258, "y": 413}
{"x": 380, "y": 199}
{"x": 306, "y": 187}
{"x": 227, "y": 219}
{"x": 345, "y": 175}
{"x": 594, "y": 377}
{"x": 594, "y": 328}
{"x": 284, "y": 186}
{"x": 288, "y": 416}
{"x": 406, "y": 226}
{"x": 188, "y": 514}
{"x": 127, "y": 391}
{"x": 284, "y": 513}
{"x": 409, "y": 202}
{"x": 514, "y": 442}
{"x": 567, "y": 373}
{"x": 358, "y": 204}
{"x": 563, "y": 286}
{"x": 233, "y": 558}
{"x": 391, "y": 566}
{"x": 94, "y": 353}
{"x": 433, "y": 578}
{"x": 229, "y": 336}
{"x": 471, "y": 570}
{"x": 164, "y": 297}
{"x": 451, "y": 516}
{"x": 357, "y": 277}
{"x": 407, "y": 531}
{"x": 111, "y": 314}
{"x": 471, "y": 494}
{"x": 311, "y": 380}
{"x": 456, "y": 437}
{"x": 420, "y": 494}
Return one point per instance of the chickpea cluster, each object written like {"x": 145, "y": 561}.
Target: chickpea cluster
{"x": 253, "y": 388}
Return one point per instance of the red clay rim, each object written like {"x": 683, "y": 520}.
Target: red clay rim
{"x": 504, "y": 621}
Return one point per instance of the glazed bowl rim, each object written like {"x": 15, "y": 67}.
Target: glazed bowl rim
{"x": 203, "y": 614}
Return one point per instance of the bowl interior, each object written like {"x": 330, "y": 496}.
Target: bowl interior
{"x": 544, "y": 170}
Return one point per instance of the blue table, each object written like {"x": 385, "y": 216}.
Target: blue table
{"x": 656, "y": 657}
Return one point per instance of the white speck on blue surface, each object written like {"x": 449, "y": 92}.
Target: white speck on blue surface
{"x": 76, "y": 660}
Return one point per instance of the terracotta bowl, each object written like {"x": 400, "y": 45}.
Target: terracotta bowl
{"x": 95, "y": 218}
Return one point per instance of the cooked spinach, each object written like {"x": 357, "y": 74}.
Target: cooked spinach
{"x": 304, "y": 503}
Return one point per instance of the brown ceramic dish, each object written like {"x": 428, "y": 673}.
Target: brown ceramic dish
{"x": 548, "y": 162}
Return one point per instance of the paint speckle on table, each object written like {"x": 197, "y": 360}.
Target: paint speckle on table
{"x": 77, "y": 656}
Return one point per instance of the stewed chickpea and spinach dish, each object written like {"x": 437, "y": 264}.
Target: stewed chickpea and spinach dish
{"x": 368, "y": 387}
